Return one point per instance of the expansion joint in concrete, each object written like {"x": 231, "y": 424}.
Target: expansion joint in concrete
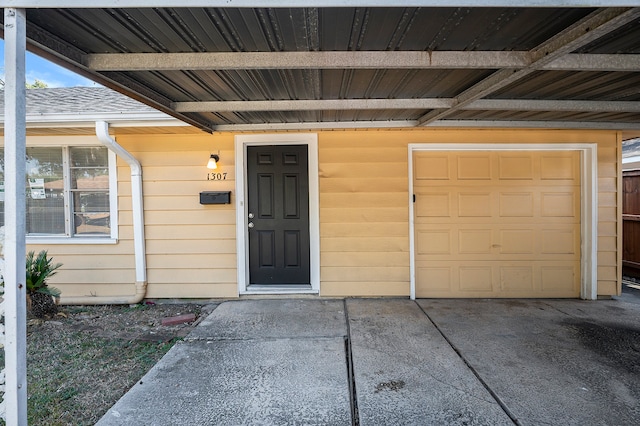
{"x": 495, "y": 396}
{"x": 353, "y": 396}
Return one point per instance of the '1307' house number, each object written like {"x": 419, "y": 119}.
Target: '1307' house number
{"x": 217, "y": 176}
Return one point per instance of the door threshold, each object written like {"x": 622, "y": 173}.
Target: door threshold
{"x": 279, "y": 289}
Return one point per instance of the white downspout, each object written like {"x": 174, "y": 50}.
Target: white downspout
{"x": 102, "y": 132}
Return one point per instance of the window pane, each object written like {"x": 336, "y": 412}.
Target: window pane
{"x": 45, "y": 191}
{"x": 91, "y": 178}
{"x": 92, "y": 223}
{"x": 89, "y": 157}
{"x": 90, "y": 189}
{"x": 91, "y": 215}
{"x": 91, "y": 202}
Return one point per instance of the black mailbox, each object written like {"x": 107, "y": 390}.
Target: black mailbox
{"x": 215, "y": 197}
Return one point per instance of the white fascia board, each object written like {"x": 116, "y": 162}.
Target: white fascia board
{"x": 109, "y": 117}
{"x": 151, "y": 119}
{"x": 314, "y": 126}
{"x": 318, "y": 3}
{"x": 439, "y": 124}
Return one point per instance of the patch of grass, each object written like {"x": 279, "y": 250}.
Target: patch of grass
{"x": 76, "y": 383}
{"x": 79, "y": 366}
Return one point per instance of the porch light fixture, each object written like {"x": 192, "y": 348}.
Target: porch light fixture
{"x": 213, "y": 162}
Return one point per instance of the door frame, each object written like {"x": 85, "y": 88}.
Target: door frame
{"x": 588, "y": 202}
{"x": 242, "y": 235}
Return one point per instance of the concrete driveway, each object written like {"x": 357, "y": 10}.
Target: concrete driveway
{"x": 398, "y": 362}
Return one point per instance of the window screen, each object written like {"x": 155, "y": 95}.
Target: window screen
{"x": 67, "y": 191}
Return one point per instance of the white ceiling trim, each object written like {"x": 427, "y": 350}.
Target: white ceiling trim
{"x": 316, "y": 3}
{"x": 384, "y": 104}
{"x": 440, "y": 124}
{"x": 323, "y": 125}
{"x": 352, "y": 60}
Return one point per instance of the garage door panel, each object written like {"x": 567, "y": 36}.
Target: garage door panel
{"x": 476, "y": 278}
{"x": 517, "y": 241}
{"x": 474, "y": 204}
{"x": 517, "y": 278}
{"x": 559, "y": 279}
{"x": 433, "y": 204}
{"x": 475, "y": 241}
{"x": 503, "y": 225}
{"x": 434, "y": 241}
{"x": 559, "y": 241}
{"x": 474, "y": 167}
{"x": 558, "y": 167}
{"x": 560, "y": 204}
{"x": 433, "y": 167}
{"x": 520, "y": 279}
{"x": 434, "y": 279}
{"x": 518, "y": 167}
{"x": 517, "y": 204}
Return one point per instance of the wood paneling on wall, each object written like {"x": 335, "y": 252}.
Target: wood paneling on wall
{"x": 364, "y": 192}
{"x": 364, "y": 210}
{"x": 191, "y": 248}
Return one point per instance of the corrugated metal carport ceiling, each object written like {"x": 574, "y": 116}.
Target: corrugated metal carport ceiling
{"x": 359, "y": 67}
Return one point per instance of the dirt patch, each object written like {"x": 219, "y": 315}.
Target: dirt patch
{"x": 80, "y": 362}
{"x": 136, "y": 322}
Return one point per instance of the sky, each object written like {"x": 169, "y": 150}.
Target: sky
{"x": 52, "y": 75}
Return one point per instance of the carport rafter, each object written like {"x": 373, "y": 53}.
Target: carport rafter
{"x": 594, "y": 26}
{"x": 119, "y": 71}
{"x": 432, "y": 103}
{"x": 352, "y": 60}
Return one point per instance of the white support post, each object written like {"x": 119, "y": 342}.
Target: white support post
{"x": 14, "y": 247}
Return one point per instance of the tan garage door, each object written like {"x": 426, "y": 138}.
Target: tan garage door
{"x": 497, "y": 224}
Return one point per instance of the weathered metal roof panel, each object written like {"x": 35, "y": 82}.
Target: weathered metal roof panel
{"x": 68, "y": 34}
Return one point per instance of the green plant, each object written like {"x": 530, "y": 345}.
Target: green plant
{"x": 39, "y": 269}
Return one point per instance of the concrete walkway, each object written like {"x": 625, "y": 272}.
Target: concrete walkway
{"x": 397, "y": 362}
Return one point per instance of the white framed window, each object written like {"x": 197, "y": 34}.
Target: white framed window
{"x": 70, "y": 194}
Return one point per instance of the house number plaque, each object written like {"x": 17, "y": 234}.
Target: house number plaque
{"x": 217, "y": 176}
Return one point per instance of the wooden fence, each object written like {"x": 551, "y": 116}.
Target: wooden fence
{"x": 631, "y": 223}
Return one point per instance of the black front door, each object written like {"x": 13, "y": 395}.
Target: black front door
{"x": 278, "y": 208}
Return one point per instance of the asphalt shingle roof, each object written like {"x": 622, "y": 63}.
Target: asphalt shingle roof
{"x": 81, "y": 100}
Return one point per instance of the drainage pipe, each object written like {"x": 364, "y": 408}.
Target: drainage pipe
{"x": 102, "y": 132}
